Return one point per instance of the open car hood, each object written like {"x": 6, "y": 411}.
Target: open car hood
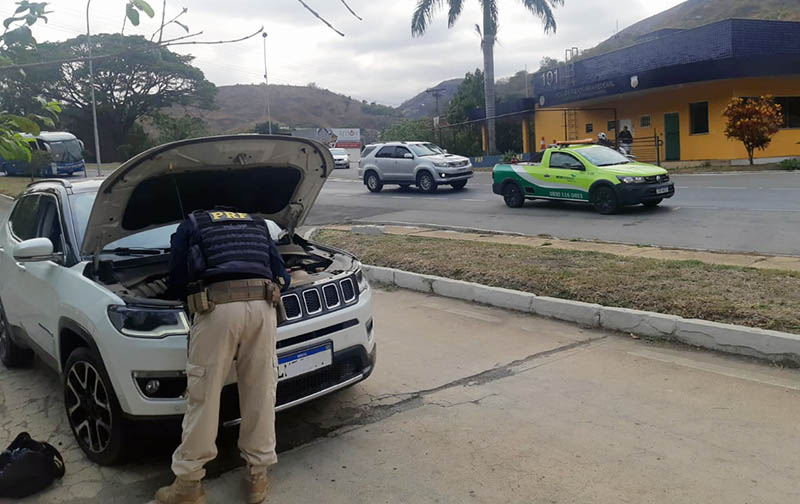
{"x": 275, "y": 177}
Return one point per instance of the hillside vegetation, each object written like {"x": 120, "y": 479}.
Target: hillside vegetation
{"x": 694, "y": 13}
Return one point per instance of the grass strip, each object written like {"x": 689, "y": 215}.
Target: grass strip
{"x": 769, "y": 299}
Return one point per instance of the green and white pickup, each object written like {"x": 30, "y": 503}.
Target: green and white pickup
{"x": 590, "y": 174}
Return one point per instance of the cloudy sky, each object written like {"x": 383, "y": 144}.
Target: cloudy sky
{"x": 378, "y": 59}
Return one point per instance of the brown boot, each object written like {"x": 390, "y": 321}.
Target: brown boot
{"x": 257, "y": 486}
{"x": 182, "y": 491}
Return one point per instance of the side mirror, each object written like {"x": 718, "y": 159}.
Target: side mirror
{"x": 80, "y": 142}
{"x": 36, "y": 250}
{"x": 408, "y": 155}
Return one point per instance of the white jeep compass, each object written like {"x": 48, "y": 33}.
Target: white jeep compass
{"x": 83, "y": 269}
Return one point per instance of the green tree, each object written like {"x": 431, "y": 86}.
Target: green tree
{"x": 753, "y": 121}
{"x": 409, "y": 130}
{"x": 172, "y": 129}
{"x": 548, "y": 63}
{"x": 469, "y": 97}
{"x": 278, "y": 128}
{"x": 142, "y": 80}
{"x": 423, "y": 16}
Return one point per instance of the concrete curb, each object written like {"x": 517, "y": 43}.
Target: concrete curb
{"x": 774, "y": 346}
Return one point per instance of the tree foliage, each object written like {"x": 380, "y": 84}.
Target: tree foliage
{"x": 278, "y": 128}
{"x": 469, "y": 97}
{"x": 409, "y": 130}
{"x": 753, "y": 121}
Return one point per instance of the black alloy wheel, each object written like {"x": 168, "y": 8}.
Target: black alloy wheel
{"x": 426, "y": 183}
{"x": 92, "y": 409}
{"x": 512, "y": 195}
{"x": 605, "y": 200}
{"x": 373, "y": 183}
{"x": 11, "y": 354}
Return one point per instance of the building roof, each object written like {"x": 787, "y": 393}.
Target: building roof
{"x": 733, "y": 48}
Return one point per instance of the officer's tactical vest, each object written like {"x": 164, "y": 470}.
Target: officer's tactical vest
{"x": 228, "y": 244}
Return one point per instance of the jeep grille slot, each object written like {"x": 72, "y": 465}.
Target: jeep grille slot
{"x": 312, "y": 301}
{"x": 291, "y": 304}
{"x": 331, "y": 296}
{"x": 348, "y": 291}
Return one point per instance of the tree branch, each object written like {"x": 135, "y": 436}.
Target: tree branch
{"x": 201, "y": 42}
{"x": 312, "y": 11}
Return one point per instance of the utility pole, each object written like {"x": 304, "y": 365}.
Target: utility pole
{"x": 266, "y": 82}
{"x": 527, "y": 94}
{"x": 91, "y": 88}
{"x": 436, "y": 93}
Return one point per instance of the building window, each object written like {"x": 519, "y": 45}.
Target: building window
{"x": 589, "y": 128}
{"x": 790, "y": 108}
{"x": 698, "y": 118}
{"x": 612, "y": 125}
{"x": 644, "y": 122}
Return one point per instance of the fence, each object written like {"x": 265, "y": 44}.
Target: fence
{"x": 648, "y": 149}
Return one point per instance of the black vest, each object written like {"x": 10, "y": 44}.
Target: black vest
{"x": 227, "y": 245}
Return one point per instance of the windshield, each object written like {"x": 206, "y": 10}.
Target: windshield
{"x": 338, "y": 152}
{"x": 602, "y": 156}
{"x": 422, "y": 150}
{"x": 434, "y": 148}
{"x": 67, "y": 151}
{"x": 158, "y": 238}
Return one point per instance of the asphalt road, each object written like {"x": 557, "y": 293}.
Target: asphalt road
{"x": 747, "y": 212}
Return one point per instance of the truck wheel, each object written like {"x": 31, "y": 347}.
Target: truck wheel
{"x": 426, "y": 183}
{"x": 513, "y": 196}
{"x": 92, "y": 408}
{"x": 605, "y": 200}
{"x": 653, "y": 203}
{"x": 461, "y": 184}
{"x": 11, "y": 354}
{"x": 373, "y": 183}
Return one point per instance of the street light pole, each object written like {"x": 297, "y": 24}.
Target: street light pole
{"x": 91, "y": 89}
{"x": 266, "y": 82}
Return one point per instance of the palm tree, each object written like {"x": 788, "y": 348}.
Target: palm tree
{"x": 423, "y": 16}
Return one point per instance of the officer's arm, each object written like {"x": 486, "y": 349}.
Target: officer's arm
{"x": 178, "y": 267}
{"x": 277, "y": 265}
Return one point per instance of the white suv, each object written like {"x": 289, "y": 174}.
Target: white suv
{"x": 412, "y": 163}
{"x": 83, "y": 268}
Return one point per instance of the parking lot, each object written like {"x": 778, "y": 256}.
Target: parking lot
{"x": 470, "y": 403}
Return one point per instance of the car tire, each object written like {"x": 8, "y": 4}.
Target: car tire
{"x": 461, "y": 184}
{"x": 373, "y": 182}
{"x": 426, "y": 183}
{"x": 605, "y": 200}
{"x": 653, "y": 203}
{"x": 512, "y": 195}
{"x": 92, "y": 408}
{"x": 11, "y": 354}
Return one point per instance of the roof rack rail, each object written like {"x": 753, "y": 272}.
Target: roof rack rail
{"x": 66, "y": 183}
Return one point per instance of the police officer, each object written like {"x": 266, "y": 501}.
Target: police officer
{"x": 225, "y": 264}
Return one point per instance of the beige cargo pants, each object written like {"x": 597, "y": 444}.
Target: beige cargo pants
{"x": 244, "y": 331}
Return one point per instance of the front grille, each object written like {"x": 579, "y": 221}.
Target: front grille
{"x": 291, "y": 304}
{"x": 657, "y": 179}
{"x": 313, "y": 302}
{"x": 331, "y": 296}
{"x": 348, "y": 291}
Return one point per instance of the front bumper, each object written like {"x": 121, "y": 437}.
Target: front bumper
{"x": 634, "y": 194}
{"x": 341, "y": 164}
{"x": 450, "y": 175}
{"x": 350, "y": 331}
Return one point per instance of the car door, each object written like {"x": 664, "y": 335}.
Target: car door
{"x": 44, "y": 280}
{"x": 21, "y": 226}
{"x": 404, "y": 163}
{"x": 384, "y": 159}
{"x": 566, "y": 177}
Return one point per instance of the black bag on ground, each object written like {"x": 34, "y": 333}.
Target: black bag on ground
{"x": 28, "y": 467}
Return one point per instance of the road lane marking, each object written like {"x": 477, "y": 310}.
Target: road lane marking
{"x": 728, "y": 371}
{"x": 466, "y": 313}
{"x": 475, "y": 200}
{"x": 725, "y": 188}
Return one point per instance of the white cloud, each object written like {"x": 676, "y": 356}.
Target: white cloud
{"x": 378, "y": 59}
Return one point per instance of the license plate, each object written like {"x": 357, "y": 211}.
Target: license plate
{"x": 305, "y": 361}
{"x": 662, "y": 190}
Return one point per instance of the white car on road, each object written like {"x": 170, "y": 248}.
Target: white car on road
{"x": 412, "y": 163}
{"x": 83, "y": 268}
{"x": 341, "y": 158}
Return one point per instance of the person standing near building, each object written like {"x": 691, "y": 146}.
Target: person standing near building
{"x": 626, "y": 140}
{"x": 226, "y": 265}
{"x": 543, "y": 145}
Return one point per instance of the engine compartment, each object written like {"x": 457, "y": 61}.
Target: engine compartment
{"x": 144, "y": 279}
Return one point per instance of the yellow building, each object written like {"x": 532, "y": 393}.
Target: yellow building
{"x": 670, "y": 91}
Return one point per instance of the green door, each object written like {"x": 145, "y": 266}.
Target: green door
{"x": 672, "y": 137}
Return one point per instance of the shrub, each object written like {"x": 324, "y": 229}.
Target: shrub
{"x": 790, "y": 164}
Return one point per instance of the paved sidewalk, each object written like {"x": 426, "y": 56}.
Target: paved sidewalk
{"x": 788, "y": 263}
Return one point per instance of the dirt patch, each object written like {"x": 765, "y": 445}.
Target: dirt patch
{"x": 768, "y": 299}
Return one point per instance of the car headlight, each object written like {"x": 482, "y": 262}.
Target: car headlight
{"x": 362, "y": 281}
{"x": 626, "y": 179}
{"x": 148, "y": 322}
{"x": 441, "y": 164}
